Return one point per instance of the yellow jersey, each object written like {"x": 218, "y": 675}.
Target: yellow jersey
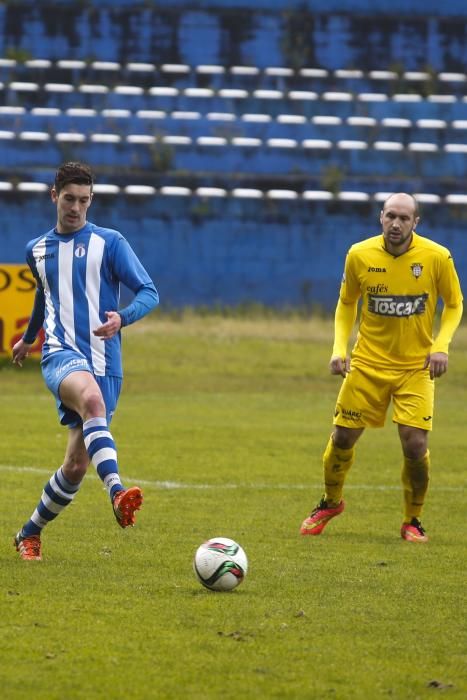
{"x": 399, "y": 297}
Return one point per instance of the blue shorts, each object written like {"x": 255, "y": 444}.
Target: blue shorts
{"x": 58, "y": 365}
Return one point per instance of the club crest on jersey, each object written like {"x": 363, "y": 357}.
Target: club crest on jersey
{"x": 80, "y": 250}
{"x": 416, "y": 270}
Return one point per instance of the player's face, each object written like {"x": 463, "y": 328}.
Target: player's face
{"x": 72, "y": 204}
{"x": 398, "y": 220}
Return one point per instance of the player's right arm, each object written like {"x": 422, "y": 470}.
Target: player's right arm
{"x": 21, "y": 349}
{"x": 344, "y": 319}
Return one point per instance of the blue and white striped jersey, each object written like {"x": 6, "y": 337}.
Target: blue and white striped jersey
{"x": 78, "y": 279}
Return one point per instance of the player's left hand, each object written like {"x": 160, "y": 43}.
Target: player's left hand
{"x": 438, "y": 364}
{"x": 110, "y": 327}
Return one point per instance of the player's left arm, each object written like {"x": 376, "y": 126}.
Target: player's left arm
{"x": 451, "y": 294}
{"x": 130, "y": 271}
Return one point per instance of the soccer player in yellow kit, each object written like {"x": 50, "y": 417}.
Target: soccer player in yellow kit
{"x": 399, "y": 277}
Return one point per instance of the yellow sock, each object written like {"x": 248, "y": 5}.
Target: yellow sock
{"x": 336, "y": 463}
{"x": 415, "y": 477}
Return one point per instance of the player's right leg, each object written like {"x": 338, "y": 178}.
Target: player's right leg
{"x": 58, "y": 493}
{"x": 362, "y": 401}
{"x": 337, "y": 459}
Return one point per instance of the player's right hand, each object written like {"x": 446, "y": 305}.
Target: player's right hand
{"x": 20, "y": 352}
{"x": 339, "y": 365}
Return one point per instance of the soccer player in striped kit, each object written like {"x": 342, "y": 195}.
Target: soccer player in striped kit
{"x": 78, "y": 267}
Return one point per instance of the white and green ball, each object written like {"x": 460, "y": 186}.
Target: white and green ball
{"x": 220, "y": 564}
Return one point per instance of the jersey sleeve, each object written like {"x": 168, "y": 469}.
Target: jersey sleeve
{"x": 346, "y": 309}
{"x": 130, "y": 271}
{"x": 38, "y": 310}
{"x": 451, "y": 294}
{"x": 344, "y": 321}
{"x": 350, "y": 291}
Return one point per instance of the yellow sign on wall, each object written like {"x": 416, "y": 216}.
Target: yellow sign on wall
{"x": 17, "y": 290}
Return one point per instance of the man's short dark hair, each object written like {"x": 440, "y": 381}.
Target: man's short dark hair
{"x": 73, "y": 173}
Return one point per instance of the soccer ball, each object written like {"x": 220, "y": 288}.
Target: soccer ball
{"x": 220, "y": 564}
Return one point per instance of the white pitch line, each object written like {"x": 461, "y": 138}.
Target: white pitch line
{"x": 173, "y": 485}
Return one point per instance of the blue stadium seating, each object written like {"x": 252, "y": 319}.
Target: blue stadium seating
{"x": 318, "y": 99}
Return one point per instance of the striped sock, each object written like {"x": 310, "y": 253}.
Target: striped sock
{"x": 57, "y": 494}
{"x": 102, "y": 453}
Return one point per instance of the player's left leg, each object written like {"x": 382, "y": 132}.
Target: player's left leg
{"x": 96, "y": 401}
{"x": 415, "y": 478}
{"x": 413, "y": 412}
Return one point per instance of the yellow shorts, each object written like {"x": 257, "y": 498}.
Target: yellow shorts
{"x": 366, "y": 393}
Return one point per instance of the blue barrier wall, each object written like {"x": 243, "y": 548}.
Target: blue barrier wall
{"x": 279, "y": 254}
{"x": 226, "y": 251}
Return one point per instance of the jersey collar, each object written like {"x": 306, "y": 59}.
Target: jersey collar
{"x": 413, "y": 244}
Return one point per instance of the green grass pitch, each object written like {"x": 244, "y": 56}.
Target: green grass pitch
{"x": 223, "y": 423}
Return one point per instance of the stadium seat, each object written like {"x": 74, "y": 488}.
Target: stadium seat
{"x": 174, "y": 191}
{"x": 281, "y": 194}
{"x": 59, "y": 87}
{"x": 211, "y": 192}
{"x": 247, "y": 193}
{"x": 317, "y": 195}
{"x": 211, "y": 141}
{"x": 70, "y": 137}
{"x": 145, "y": 139}
{"x": 353, "y": 196}
{"x": 282, "y": 143}
{"x": 105, "y": 189}
{"x": 140, "y": 190}
{"x": 33, "y": 136}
